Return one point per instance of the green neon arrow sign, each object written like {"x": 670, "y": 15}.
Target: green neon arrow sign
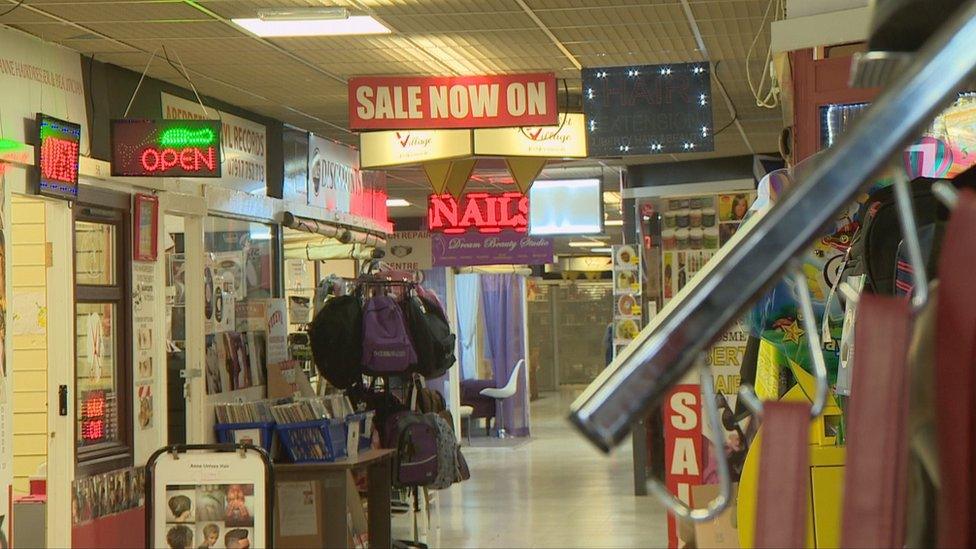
{"x": 186, "y": 137}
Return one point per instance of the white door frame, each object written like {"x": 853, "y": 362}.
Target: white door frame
{"x": 60, "y": 371}
{"x": 193, "y": 209}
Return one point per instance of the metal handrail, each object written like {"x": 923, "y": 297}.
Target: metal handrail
{"x": 755, "y": 257}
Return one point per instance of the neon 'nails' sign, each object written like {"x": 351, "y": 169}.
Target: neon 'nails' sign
{"x": 486, "y": 213}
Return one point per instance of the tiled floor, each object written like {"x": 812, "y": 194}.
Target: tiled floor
{"x": 557, "y": 491}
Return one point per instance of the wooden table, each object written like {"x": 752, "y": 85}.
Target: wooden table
{"x": 333, "y": 490}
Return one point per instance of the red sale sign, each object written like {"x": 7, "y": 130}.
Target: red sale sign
{"x": 437, "y": 102}
{"x": 682, "y": 449}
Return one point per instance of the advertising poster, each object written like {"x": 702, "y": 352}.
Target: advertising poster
{"x": 244, "y": 144}
{"x": 97, "y": 496}
{"x": 692, "y": 230}
{"x": 627, "y": 291}
{"x": 410, "y": 251}
{"x": 209, "y": 499}
{"x": 682, "y": 453}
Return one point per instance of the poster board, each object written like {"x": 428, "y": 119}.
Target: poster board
{"x": 628, "y": 287}
{"x": 202, "y": 493}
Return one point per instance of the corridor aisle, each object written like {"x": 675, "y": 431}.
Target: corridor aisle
{"x": 555, "y": 491}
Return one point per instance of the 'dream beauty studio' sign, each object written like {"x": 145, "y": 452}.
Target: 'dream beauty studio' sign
{"x": 432, "y": 102}
{"x": 484, "y": 229}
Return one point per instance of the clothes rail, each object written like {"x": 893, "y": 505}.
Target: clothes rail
{"x": 758, "y": 254}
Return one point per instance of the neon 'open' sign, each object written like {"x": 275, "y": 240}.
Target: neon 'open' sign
{"x": 166, "y": 148}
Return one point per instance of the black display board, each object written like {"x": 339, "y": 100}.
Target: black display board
{"x": 648, "y": 109}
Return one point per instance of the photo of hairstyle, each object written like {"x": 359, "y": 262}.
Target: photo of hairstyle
{"x": 181, "y": 508}
{"x": 236, "y": 539}
{"x": 179, "y": 537}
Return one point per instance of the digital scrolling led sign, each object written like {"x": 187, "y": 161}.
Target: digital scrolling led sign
{"x": 480, "y": 212}
{"x": 648, "y": 109}
{"x": 57, "y": 157}
{"x": 166, "y": 148}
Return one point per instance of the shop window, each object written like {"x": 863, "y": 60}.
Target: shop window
{"x": 836, "y": 120}
{"x": 102, "y": 334}
{"x": 240, "y": 277}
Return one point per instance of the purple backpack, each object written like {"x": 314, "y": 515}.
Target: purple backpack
{"x": 417, "y": 457}
{"x": 387, "y": 349}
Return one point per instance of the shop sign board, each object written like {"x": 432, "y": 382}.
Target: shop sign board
{"x": 432, "y": 102}
{"x": 56, "y": 159}
{"x": 478, "y": 212}
{"x": 648, "y": 109}
{"x": 395, "y": 148}
{"x": 35, "y": 77}
{"x": 409, "y": 251}
{"x": 338, "y": 184}
{"x": 244, "y": 143}
{"x": 682, "y": 452}
{"x": 166, "y": 148}
{"x": 564, "y": 140}
{"x": 503, "y": 248}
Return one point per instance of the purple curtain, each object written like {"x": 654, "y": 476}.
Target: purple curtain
{"x": 501, "y": 296}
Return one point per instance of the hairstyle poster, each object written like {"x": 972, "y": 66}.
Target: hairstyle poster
{"x": 207, "y": 499}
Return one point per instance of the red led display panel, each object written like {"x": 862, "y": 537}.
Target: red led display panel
{"x": 486, "y": 213}
{"x": 93, "y": 416}
{"x": 57, "y": 156}
{"x": 166, "y": 148}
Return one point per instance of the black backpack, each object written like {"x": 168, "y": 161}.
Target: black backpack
{"x": 431, "y": 335}
{"x": 874, "y": 250}
{"x": 336, "y": 337}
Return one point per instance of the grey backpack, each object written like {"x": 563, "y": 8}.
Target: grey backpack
{"x": 447, "y": 451}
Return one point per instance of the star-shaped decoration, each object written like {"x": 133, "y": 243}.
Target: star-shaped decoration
{"x": 792, "y": 332}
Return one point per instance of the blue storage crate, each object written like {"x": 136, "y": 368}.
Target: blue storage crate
{"x": 365, "y": 420}
{"x": 313, "y": 441}
{"x": 232, "y": 433}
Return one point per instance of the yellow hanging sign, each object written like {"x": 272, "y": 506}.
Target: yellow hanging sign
{"x": 394, "y": 148}
{"x": 567, "y": 140}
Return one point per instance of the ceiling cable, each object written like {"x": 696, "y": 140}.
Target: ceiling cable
{"x": 771, "y": 98}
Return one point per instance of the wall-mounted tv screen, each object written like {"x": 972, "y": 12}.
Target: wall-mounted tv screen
{"x": 566, "y": 206}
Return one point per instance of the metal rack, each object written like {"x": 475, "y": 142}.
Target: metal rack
{"x": 759, "y": 253}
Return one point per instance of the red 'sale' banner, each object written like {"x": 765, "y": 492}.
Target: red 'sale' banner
{"x": 437, "y": 102}
{"x": 682, "y": 451}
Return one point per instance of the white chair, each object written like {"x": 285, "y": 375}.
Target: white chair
{"x": 465, "y": 412}
{"x": 501, "y": 393}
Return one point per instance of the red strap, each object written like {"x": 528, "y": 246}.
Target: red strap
{"x": 877, "y": 450}
{"x": 784, "y": 475}
{"x": 955, "y": 376}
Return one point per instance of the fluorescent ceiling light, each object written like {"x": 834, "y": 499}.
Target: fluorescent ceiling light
{"x": 601, "y": 250}
{"x": 584, "y": 244}
{"x": 614, "y": 223}
{"x": 396, "y": 203}
{"x": 312, "y": 26}
{"x": 303, "y": 14}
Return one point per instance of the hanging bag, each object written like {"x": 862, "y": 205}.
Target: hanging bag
{"x": 781, "y": 503}
{"x": 955, "y": 378}
{"x": 335, "y": 336}
{"x": 387, "y": 349}
{"x": 431, "y": 335}
{"x": 877, "y": 450}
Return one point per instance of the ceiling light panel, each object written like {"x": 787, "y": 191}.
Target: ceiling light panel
{"x": 354, "y": 25}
